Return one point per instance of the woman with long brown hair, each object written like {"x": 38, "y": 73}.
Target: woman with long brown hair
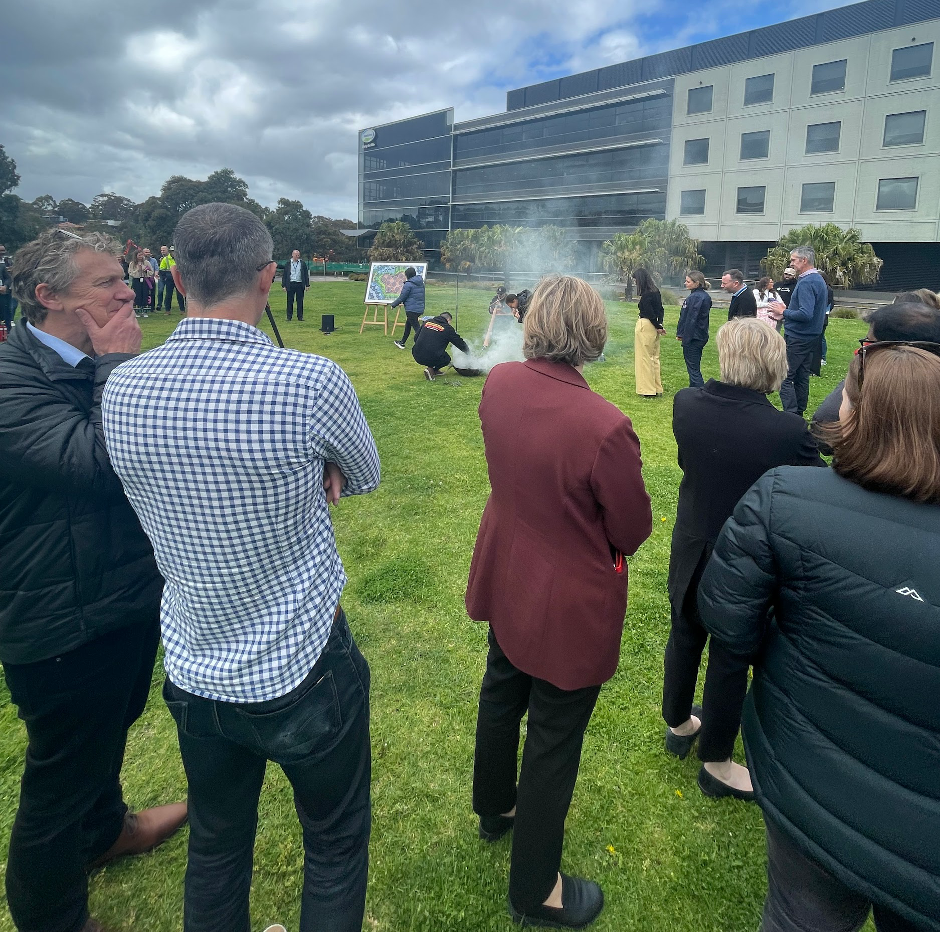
{"x": 647, "y": 334}
{"x": 833, "y": 575}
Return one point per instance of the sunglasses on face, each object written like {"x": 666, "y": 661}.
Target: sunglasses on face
{"x": 868, "y": 347}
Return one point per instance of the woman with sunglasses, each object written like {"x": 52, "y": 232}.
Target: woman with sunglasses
{"x": 833, "y": 575}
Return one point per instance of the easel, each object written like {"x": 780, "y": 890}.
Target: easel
{"x": 384, "y": 323}
{"x": 395, "y": 323}
{"x": 493, "y": 316}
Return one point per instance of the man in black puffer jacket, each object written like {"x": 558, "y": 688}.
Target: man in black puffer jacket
{"x": 79, "y": 607}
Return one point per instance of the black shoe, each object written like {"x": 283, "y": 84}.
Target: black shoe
{"x": 681, "y": 745}
{"x": 399, "y": 344}
{"x": 494, "y": 828}
{"x": 711, "y": 786}
{"x": 582, "y": 901}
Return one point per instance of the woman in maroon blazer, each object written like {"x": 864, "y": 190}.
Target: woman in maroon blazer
{"x": 567, "y": 503}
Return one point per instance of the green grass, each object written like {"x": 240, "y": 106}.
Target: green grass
{"x": 667, "y": 857}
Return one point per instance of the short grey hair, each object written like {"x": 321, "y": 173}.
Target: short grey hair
{"x": 805, "y": 252}
{"x": 752, "y": 355}
{"x": 50, "y": 260}
{"x": 218, "y": 249}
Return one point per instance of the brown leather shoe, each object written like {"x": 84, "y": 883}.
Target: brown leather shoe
{"x": 144, "y": 831}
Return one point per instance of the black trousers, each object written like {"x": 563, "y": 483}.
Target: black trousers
{"x": 802, "y": 356}
{"x": 319, "y": 734}
{"x": 803, "y": 895}
{"x": 140, "y": 293}
{"x": 412, "y": 323}
{"x": 554, "y": 733}
{"x": 296, "y": 292}
{"x": 726, "y": 677}
{"x": 77, "y": 708}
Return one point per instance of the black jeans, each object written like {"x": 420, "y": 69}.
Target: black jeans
{"x": 412, "y": 323}
{"x": 296, "y": 291}
{"x": 554, "y": 733}
{"x": 319, "y": 734}
{"x": 692, "y": 354}
{"x": 726, "y": 678}
{"x": 801, "y": 353}
{"x": 165, "y": 289}
{"x": 140, "y": 293}
{"x": 77, "y": 708}
{"x": 804, "y": 896}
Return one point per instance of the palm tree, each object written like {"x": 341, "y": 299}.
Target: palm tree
{"x": 395, "y": 242}
{"x": 662, "y": 246}
{"x": 841, "y": 255}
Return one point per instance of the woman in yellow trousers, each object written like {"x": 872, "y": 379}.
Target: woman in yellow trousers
{"x": 647, "y": 335}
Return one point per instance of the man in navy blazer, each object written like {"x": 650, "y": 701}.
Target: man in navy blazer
{"x": 295, "y": 280}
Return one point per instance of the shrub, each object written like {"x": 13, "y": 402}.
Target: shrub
{"x": 358, "y": 277}
{"x": 848, "y": 313}
{"x": 668, "y": 297}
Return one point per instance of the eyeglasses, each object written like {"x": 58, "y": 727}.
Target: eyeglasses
{"x": 872, "y": 346}
{"x": 265, "y": 265}
{"x": 69, "y": 234}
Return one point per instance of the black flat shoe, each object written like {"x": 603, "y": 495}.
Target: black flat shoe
{"x": 711, "y": 786}
{"x": 494, "y": 828}
{"x": 582, "y": 901}
{"x": 681, "y": 745}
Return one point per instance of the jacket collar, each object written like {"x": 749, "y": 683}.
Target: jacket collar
{"x": 51, "y": 364}
{"x": 735, "y": 393}
{"x": 561, "y": 371}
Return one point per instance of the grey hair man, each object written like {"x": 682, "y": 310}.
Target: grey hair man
{"x": 804, "y": 319}
{"x": 230, "y": 450}
{"x": 79, "y": 618}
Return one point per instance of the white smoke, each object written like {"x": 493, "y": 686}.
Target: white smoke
{"x": 506, "y": 344}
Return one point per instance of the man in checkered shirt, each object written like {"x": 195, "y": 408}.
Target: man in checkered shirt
{"x": 229, "y": 450}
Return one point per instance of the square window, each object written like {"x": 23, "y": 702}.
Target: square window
{"x": 699, "y": 100}
{"x": 912, "y": 62}
{"x": 755, "y": 145}
{"x": 696, "y": 152}
{"x": 693, "y": 202}
{"x": 904, "y": 129}
{"x": 830, "y": 76}
{"x": 817, "y": 197}
{"x": 759, "y": 90}
{"x": 822, "y": 137}
{"x": 897, "y": 194}
{"x": 751, "y": 200}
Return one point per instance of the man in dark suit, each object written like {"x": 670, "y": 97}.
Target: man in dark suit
{"x": 295, "y": 280}
{"x": 743, "y": 302}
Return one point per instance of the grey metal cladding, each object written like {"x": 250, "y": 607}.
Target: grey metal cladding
{"x": 575, "y": 85}
{"x": 916, "y": 11}
{"x": 725, "y": 51}
{"x": 620, "y": 75}
{"x": 786, "y": 37}
{"x": 857, "y": 20}
{"x": 516, "y": 100}
{"x": 675, "y": 62}
{"x": 542, "y": 93}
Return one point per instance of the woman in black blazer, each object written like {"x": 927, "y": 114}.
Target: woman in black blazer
{"x": 728, "y": 434}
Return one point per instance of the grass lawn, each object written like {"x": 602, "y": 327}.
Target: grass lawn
{"x": 667, "y": 857}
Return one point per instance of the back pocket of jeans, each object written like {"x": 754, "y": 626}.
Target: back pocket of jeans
{"x": 309, "y": 726}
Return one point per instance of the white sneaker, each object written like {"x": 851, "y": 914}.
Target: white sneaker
{"x": 399, "y": 344}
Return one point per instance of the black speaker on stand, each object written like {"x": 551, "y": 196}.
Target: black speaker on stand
{"x": 327, "y": 324}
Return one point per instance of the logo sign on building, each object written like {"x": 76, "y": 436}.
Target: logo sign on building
{"x": 368, "y": 138}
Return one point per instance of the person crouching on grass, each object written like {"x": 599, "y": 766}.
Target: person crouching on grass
{"x": 431, "y": 345}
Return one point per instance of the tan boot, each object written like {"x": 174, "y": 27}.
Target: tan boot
{"x": 144, "y": 831}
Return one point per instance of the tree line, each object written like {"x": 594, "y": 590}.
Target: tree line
{"x": 152, "y": 222}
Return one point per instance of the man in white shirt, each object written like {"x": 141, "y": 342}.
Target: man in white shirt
{"x": 295, "y": 280}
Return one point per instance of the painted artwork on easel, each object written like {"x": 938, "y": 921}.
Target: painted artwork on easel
{"x": 386, "y": 280}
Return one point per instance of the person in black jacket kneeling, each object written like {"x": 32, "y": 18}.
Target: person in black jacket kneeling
{"x": 841, "y": 722}
{"x": 431, "y": 345}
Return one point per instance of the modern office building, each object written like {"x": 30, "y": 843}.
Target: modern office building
{"x": 827, "y": 118}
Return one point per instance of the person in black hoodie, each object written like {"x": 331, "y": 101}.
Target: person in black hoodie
{"x": 431, "y": 345}
{"x": 693, "y": 327}
{"x": 841, "y": 721}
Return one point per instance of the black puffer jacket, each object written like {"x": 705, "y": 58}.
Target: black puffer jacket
{"x": 74, "y": 562}
{"x": 841, "y": 721}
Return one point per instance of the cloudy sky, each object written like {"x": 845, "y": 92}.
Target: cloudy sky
{"x": 98, "y": 98}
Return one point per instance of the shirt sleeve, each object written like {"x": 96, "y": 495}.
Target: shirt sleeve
{"x": 339, "y": 433}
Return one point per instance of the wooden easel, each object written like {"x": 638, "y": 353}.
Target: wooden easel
{"x": 384, "y": 323}
{"x": 396, "y": 323}
{"x": 496, "y": 314}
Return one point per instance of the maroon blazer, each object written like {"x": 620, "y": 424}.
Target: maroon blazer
{"x": 567, "y": 502}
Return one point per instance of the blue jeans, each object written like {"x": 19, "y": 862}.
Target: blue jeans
{"x": 319, "y": 734}
{"x": 692, "y": 354}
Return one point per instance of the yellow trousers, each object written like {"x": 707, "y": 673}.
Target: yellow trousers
{"x": 647, "y": 358}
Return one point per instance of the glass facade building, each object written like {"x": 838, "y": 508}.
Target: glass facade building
{"x": 741, "y": 138}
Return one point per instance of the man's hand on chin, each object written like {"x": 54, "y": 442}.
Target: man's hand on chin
{"x": 120, "y": 334}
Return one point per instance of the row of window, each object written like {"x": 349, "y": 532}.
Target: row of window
{"x": 913, "y": 61}
{"x": 408, "y": 186}
{"x": 894, "y": 194}
{"x": 901, "y": 129}
{"x": 613, "y": 210}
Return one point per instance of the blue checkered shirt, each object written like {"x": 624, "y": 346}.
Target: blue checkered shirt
{"x": 220, "y": 440}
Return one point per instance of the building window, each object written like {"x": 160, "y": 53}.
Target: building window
{"x": 755, "y": 145}
{"x": 904, "y": 129}
{"x": 822, "y": 137}
{"x": 751, "y": 200}
{"x": 699, "y": 100}
{"x": 817, "y": 197}
{"x": 693, "y": 202}
{"x": 897, "y": 194}
{"x": 912, "y": 62}
{"x": 830, "y": 76}
{"x": 759, "y": 90}
{"x": 696, "y": 152}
